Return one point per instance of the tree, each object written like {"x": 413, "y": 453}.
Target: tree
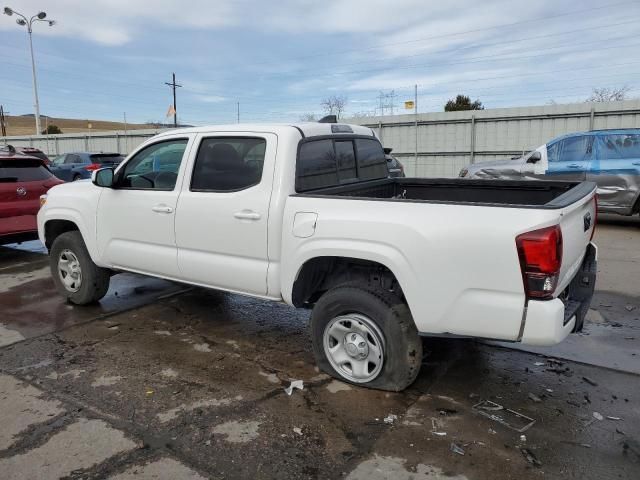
{"x": 308, "y": 117}
{"x": 609, "y": 94}
{"x": 334, "y": 105}
{"x": 462, "y": 102}
{"x": 51, "y": 130}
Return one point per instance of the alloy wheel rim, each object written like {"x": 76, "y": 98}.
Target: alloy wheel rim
{"x": 354, "y": 346}
{"x": 69, "y": 271}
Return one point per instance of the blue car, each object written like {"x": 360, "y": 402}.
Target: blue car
{"x": 79, "y": 165}
{"x": 610, "y": 158}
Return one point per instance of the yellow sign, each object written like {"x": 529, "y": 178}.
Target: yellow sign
{"x": 409, "y": 105}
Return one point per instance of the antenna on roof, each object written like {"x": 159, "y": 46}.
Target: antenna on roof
{"x": 329, "y": 119}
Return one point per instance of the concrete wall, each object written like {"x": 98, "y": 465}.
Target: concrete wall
{"x": 447, "y": 141}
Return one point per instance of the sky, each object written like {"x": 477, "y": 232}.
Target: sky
{"x": 279, "y": 60}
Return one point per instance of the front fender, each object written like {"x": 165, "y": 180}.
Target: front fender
{"x": 87, "y": 229}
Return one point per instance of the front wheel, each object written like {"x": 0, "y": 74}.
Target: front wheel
{"x": 75, "y": 275}
{"x": 366, "y": 336}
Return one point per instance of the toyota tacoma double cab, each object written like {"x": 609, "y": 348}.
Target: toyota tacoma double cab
{"x": 306, "y": 214}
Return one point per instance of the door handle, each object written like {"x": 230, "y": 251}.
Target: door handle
{"x": 162, "y": 209}
{"x": 573, "y": 165}
{"x": 247, "y": 215}
{"x": 635, "y": 163}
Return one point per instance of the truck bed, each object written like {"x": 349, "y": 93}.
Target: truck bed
{"x": 503, "y": 193}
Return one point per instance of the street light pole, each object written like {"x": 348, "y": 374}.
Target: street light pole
{"x": 23, "y": 22}
{"x": 35, "y": 83}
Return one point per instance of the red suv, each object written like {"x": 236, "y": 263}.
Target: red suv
{"x": 23, "y": 179}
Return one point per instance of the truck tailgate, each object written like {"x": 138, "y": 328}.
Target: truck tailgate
{"x": 577, "y": 222}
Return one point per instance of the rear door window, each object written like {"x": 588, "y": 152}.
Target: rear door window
{"x": 12, "y": 171}
{"x": 228, "y": 164}
{"x": 619, "y": 146}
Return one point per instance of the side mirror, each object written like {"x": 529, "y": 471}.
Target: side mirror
{"x": 535, "y": 157}
{"x": 103, "y": 177}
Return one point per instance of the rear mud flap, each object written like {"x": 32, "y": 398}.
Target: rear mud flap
{"x": 580, "y": 290}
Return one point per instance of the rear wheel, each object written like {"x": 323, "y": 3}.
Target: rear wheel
{"x": 75, "y": 177}
{"x": 75, "y": 275}
{"x": 366, "y": 336}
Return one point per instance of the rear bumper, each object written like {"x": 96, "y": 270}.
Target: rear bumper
{"x": 549, "y": 322}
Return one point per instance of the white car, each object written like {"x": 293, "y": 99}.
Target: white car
{"x": 306, "y": 214}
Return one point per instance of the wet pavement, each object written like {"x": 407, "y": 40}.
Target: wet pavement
{"x": 165, "y": 382}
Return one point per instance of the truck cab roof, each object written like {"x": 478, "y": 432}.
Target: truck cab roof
{"x": 306, "y": 129}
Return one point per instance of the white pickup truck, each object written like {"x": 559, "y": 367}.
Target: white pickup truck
{"x": 306, "y": 214}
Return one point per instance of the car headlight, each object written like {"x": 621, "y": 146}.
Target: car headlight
{"x": 463, "y": 172}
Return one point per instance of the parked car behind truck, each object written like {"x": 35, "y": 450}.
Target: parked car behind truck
{"x": 23, "y": 179}
{"x": 79, "y": 165}
{"x": 306, "y": 214}
{"x": 610, "y": 158}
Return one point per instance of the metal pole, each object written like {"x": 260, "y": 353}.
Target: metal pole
{"x": 238, "y": 112}
{"x": 175, "y": 107}
{"x": 126, "y": 137}
{"x": 415, "y": 106}
{"x": 35, "y": 82}
{"x": 472, "y": 149}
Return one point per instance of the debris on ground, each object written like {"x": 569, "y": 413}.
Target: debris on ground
{"x": 523, "y": 438}
{"x": 390, "y": 418}
{"x": 505, "y": 416}
{"x": 589, "y": 381}
{"x": 447, "y": 411}
{"x": 629, "y": 308}
{"x": 598, "y": 416}
{"x": 531, "y": 458}
{"x": 455, "y": 448}
{"x": 533, "y": 397}
{"x": 539, "y": 364}
{"x": 613, "y": 418}
{"x": 299, "y": 384}
{"x": 297, "y": 430}
{"x": 578, "y": 444}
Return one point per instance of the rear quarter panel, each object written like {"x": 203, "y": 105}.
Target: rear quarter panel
{"x": 457, "y": 264}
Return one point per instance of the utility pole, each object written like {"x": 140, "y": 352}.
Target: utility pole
{"x": 415, "y": 107}
{"x": 238, "y": 112}
{"x": 174, "y": 85}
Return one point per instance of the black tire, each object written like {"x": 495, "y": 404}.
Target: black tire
{"x": 95, "y": 280}
{"x": 403, "y": 346}
{"x": 75, "y": 177}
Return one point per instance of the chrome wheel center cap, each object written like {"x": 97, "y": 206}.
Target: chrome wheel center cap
{"x": 356, "y": 346}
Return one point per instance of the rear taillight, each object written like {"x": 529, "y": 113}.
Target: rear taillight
{"x": 540, "y": 253}
{"x": 93, "y": 166}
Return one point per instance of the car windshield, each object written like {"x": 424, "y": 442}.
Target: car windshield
{"x": 23, "y": 170}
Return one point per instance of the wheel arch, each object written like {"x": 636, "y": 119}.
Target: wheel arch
{"x": 319, "y": 273}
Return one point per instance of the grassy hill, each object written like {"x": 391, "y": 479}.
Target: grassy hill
{"x": 26, "y": 124}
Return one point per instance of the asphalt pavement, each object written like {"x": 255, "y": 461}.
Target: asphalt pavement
{"x": 163, "y": 381}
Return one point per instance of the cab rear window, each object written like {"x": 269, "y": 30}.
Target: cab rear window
{"x": 23, "y": 170}
{"x": 329, "y": 162}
